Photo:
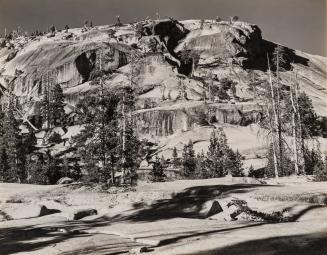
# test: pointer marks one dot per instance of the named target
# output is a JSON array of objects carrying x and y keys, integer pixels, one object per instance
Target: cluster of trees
[
  {"x": 107, "y": 144},
  {"x": 219, "y": 160},
  {"x": 52, "y": 108},
  {"x": 288, "y": 112},
  {"x": 12, "y": 146},
  {"x": 20, "y": 159}
]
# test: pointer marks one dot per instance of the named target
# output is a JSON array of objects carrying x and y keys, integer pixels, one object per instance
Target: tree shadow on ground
[
  {"x": 187, "y": 203},
  {"x": 313, "y": 244},
  {"x": 30, "y": 238},
  {"x": 36, "y": 237}
]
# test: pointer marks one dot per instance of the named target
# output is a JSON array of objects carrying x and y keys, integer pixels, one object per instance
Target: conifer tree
[
  {"x": 221, "y": 159},
  {"x": 37, "y": 171},
  {"x": 188, "y": 160},
  {"x": 45, "y": 108},
  {"x": 11, "y": 141},
  {"x": 309, "y": 119},
  {"x": 3, "y": 154},
  {"x": 251, "y": 172},
  {"x": 201, "y": 166},
  {"x": 76, "y": 172},
  {"x": 215, "y": 154},
  {"x": 98, "y": 141},
  {"x": 157, "y": 173},
  {"x": 234, "y": 163},
  {"x": 320, "y": 170},
  {"x": 57, "y": 107},
  {"x": 175, "y": 158}
]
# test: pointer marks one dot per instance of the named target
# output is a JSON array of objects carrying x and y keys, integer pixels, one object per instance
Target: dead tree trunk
[
  {"x": 279, "y": 126},
  {"x": 275, "y": 118},
  {"x": 273, "y": 142},
  {"x": 294, "y": 134}
]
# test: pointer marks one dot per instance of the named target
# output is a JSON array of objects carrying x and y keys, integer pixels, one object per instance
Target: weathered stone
[
  {"x": 210, "y": 208},
  {"x": 139, "y": 250},
  {"x": 65, "y": 180},
  {"x": 82, "y": 213}
]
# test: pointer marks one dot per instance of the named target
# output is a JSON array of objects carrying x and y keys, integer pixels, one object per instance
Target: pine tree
[
  {"x": 76, "y": 172},
  {"x": 53, "y": 168},
  {"x": 132, "y": 151},
  {"x": 234, "y": 163},
  {"x": 201, "y": 166},
  {"x": 163, "y": 161},
  {"x": 157, "y": 173},
  {"x": 175, "y": 158},
  {"x": 309, "y": 119},
  {"x": 131, "y": 146},
  {"x": 188, "y": 161},
  {"x": 251, "y": 172},
  {"x": 37, "y": 171},
  {"x": 3, "y": 154},
  {"x": 12, "y": 140},
  {"x": 215, "y": 154},
  {"x": 311, "y": 159},
  {"x": 320, "y": 171},
  {"x": 57, "y": 107},
  {"x": 270, "y": 167},
  {"x": 45, "y": 108},
  {"x": 99, "y": 142}
]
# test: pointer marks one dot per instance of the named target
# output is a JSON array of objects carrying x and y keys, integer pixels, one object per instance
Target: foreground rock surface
[{"x": 14, "y": 211}]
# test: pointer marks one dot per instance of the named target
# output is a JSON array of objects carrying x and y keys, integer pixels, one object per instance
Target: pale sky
[{"x": 298, "y": 24}]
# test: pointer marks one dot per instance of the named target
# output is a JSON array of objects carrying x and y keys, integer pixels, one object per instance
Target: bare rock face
[
  {"x": 172, "y": 93},
  {"x": 165, "y": 121}
]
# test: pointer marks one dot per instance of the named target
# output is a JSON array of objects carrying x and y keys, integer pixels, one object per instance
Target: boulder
[
  {"x": 46, "y": 211},
  {"x": 139, "y": 250},
  {"x": 210, "y": 208},
  {"x": 82, "y": 213},
  {"x": 65, "y": 180}
]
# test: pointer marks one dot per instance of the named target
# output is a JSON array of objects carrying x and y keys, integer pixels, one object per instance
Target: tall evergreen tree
[
  {"x": 215, "y": 155},
  {"x": 12, "y": 142},
  {"x": 99, "y": 141},
  {"x": 188, "y": 160},
  {"x": 45, "y": 108},
  {"x": 3, "y": 154},
  {"x": 201, "y": 166},
  {"x": 234, "y": 163},
  {"x": 175, "y": 158},
  {"x": 320, "y": 170},
  {"x": 57, "y": 106},
  {"x": 157, "y": 173},
  {"x": 310, "y": 123}
]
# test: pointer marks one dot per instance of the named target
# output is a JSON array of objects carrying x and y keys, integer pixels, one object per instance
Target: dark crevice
[
  {"x": 85, "y": 63},
  {"x": 259, "y": 61}
]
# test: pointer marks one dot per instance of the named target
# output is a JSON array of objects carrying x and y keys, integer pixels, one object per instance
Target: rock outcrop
[{"x": 172, "y": 92}]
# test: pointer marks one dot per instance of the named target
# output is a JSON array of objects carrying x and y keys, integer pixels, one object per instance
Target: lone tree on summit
[{"x": 234, "y": 19}]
